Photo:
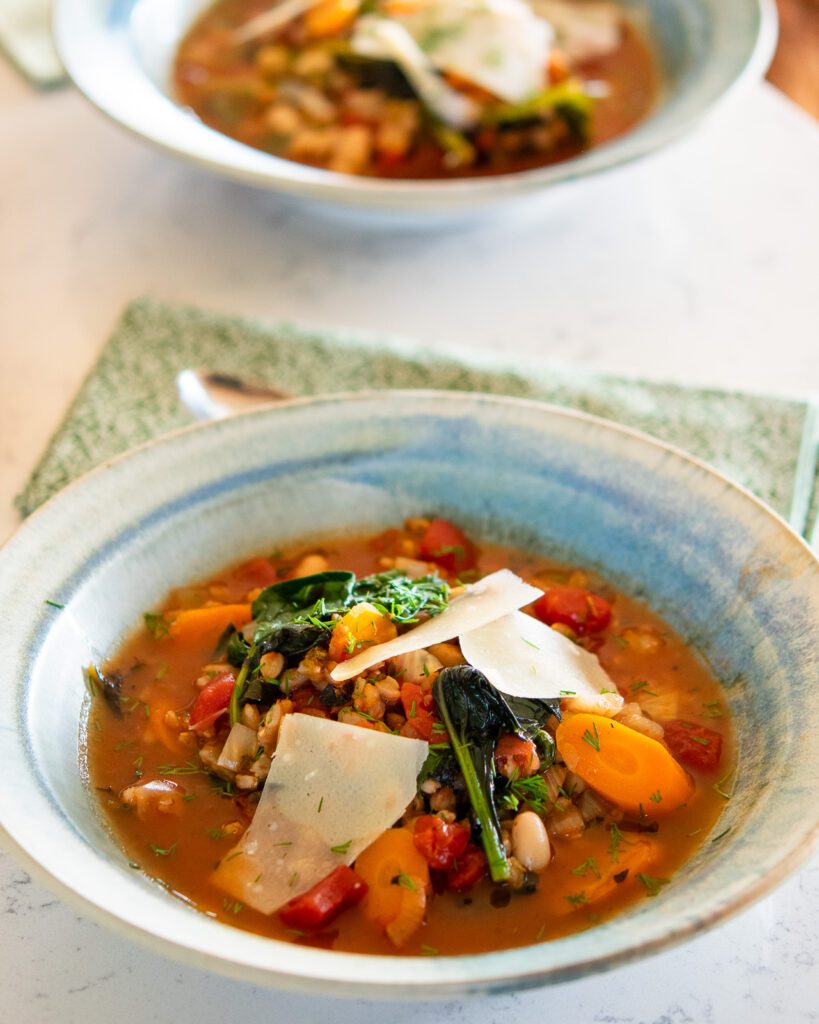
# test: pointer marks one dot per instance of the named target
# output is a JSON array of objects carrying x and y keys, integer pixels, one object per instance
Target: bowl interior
[
  {"x": 723, "y": 570},
  {"x": 120, "y": 52}
]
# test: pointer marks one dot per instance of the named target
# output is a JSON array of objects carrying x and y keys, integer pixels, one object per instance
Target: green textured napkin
[
  {"x": 25, "y": 35},
  {"x": 767, "y": 443}
]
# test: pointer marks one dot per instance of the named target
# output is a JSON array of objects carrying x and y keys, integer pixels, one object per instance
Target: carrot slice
[
  {"x": 633, "y": 771},
  {"x": 398, "y": 878},
  {"x": 169, "y": 738},
  {"x": 633, "y": 857},
  {"x": 328, "y": 17},
  {"x": 204, "y": 626}
]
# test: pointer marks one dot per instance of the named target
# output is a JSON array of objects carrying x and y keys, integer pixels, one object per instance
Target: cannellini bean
[
  {"x": 448, "y": 654},
  {"x": 530, "y": 841},
  {"x": 268, "y": 733},
  {"x": 419, "y": 667},
  {"x": 271, "y": 665},
  {"x": 311, "y": 564},
  {"x": 154, "y": 797},
  {"x": 442, "y": 800}
]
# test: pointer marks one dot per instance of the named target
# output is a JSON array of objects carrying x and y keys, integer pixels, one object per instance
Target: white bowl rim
[
  {"x": 263, "y": 170},
  {"x": 425, "y": 983}
]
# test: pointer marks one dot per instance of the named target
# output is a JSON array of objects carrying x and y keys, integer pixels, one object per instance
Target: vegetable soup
[
  {"x": 408, "y": 744},
  {"x": 418, "y": 88}
]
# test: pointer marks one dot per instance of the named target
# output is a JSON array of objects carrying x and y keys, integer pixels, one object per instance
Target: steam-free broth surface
[
  {"x": 311, "y": 90},
  {"x": 613, "y": 862}
]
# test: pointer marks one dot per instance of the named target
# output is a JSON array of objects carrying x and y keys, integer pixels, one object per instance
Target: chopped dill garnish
[
  {"x": 589, "y": 864},
  {"x": 54, "y": 604},
  {"x": 157, "y": 625},
  {"x": 342, "y": 847},
  {"x": 717, "y": 786},
  {"x": 656, "y": 797},
  {"x": 577, "y": 899},
  {"x": 216, "y": 833},
  {"x": 188, "y": 768},
  {"x": 722, "y": 835},
  {"x": 407, "y": 882},
  {"x": 615, "y": 842},
  {"x": 713, "y": 709},
  {"x": 429, "y": 950},
  {"x": 532, "y": 792},
  {"x": 593, "y": 741},
  {"x": 159, "y": 852},
  {"x": 652, "y": 885}
]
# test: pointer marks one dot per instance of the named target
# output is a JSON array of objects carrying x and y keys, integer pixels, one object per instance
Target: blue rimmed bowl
[{"x": 722, "y": 568}]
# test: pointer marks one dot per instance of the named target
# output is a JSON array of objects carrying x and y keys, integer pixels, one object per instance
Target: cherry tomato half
[
  {"x": 212, "y": 701},
  {"x": 468, "y": 870},
  {"x": 441, "y": 843},
  {"x": 419, "y": 707},
  {"x": 580, "y": 609},
  {"x": 447, "y": 546}
]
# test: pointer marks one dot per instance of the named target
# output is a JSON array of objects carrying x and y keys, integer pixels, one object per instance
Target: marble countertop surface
[{"x": 700, "y": 264}]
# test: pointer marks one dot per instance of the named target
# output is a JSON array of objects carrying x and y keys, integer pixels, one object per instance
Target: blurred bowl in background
[{"x": 120, "y": 54}]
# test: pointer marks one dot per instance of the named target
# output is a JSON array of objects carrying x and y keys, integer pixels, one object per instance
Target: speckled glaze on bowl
[
  {"x": 119, "y": 53},
  {"x": 723, "y": 569}
]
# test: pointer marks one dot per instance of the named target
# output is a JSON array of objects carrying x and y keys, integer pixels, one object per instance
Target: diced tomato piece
[
  {"x": 694, "y": 745},
  {"x": 468, "y": 870},
  {"x": 212, "y": 701},
  {"x": 441, "y": 843},
  {"x": 516, "y": 757},
  {"x": 323, "y": 903},
  {"x": 580, "y": 609},
  {"x": 447, "y": 546},
  {"x": 306, "y": 698},
  {"x": 258, "y": 572},
  {"x": 419, "y": 707}
]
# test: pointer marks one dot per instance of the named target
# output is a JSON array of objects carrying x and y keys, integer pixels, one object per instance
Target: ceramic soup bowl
[
  {"x": 719, "y": 566},
  {"x": 120, "y": 54}
]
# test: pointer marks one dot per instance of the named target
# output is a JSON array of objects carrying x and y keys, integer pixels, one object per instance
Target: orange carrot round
[
  {"x": 633, "y": 771},
  {"x": 398, "y": 878}
]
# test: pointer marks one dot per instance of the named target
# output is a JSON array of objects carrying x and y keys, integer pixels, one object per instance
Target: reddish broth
[{"x": 644, "y": 656}]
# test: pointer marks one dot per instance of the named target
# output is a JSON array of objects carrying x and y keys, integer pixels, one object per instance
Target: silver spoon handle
[{"x": 209, "y": 395}]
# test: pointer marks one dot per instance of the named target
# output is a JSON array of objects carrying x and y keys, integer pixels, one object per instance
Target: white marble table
[{"x": 702, "y": 264}]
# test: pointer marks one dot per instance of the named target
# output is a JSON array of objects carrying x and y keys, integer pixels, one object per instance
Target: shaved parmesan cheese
[
  {"x": 495, "y": 595},
  {"x": 586, "y": 31},
  {"x": 523, "y": 657},
  {"x": 387, "y": 39},
  {"x": 500, "y": 45},
  {"x": 332, "y": 790}
]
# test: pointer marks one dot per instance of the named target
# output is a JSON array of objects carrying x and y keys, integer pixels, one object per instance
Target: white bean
[{"x": 530, "y": 841}]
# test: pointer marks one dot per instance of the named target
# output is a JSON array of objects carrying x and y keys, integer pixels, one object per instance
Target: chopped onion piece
[
  {"x": 523, "y": 657},
  {"x": 332, "y": 790},
  {"x": 482, "y": 602},
  {"x": 241, "y": 743}
]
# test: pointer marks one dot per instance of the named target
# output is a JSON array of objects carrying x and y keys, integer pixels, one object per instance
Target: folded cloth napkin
[
  {"x": 769, "y": 444},
  {"x": 25, "y": 35}
]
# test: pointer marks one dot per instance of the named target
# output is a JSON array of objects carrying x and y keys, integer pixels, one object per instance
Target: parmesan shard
[
  {"x": 331, "y": 791},
  {"x": 495, "y": 595},
  {"x": 523, "y": 657}
]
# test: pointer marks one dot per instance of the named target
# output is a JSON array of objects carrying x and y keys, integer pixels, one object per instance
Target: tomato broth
[{"x": 611, "y": 862}]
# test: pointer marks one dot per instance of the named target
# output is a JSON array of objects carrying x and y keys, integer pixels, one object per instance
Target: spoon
[{"x": 210, "y": 395}]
